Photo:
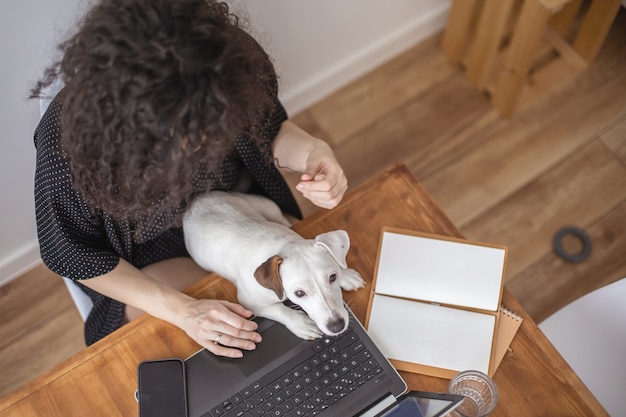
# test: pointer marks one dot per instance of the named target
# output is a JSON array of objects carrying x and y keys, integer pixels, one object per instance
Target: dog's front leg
[{"x": 297, "y": 321}]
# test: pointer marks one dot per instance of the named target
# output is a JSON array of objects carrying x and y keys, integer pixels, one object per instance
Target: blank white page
[
  {"x": 431, "y": 335},
  {"x": 442, "y": 271}
]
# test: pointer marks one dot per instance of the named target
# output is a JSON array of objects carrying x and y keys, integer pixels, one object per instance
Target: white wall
[
  {"x": 29, "y": 32},
  {"x": 318, "y": 46}
]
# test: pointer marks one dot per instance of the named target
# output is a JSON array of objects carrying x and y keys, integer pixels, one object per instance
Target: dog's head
[{"x": 311, "y": 274}]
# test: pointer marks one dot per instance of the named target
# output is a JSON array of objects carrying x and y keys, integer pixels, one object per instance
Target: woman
[{"x": 162, "y": 100}]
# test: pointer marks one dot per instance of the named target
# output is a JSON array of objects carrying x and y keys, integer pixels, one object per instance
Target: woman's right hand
[
  {"x": 208, "y": 321},
  {"x": 203, "y": 320}
]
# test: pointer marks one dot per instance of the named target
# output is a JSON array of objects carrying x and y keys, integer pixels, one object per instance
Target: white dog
[{"x": 246, "y": 239}]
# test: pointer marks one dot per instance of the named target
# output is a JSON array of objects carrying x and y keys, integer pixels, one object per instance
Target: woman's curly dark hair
[{"x": 155, "y": 91}]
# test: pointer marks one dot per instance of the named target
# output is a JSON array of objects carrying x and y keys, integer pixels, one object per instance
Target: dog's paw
[
  {"x": 351, "y": 280},
  {"x": 302, "y": 326}
]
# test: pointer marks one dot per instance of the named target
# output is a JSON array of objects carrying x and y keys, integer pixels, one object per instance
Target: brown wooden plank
[
  {"x": 576, "y": 191},
  {"x": 55, "y": 340},
  {"x": 495, "y": 163},
  {"x": 36, "y": 295},
  {"x": 615, "y": 139},
  {"x": 383, "y": 91},
  {"x": 550, "y": 283},
  {"x": 549, "y": 78},
  {"x": 448, "y": 107}
]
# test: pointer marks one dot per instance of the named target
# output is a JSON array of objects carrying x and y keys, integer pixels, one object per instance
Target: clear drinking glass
[{"x": 480, "y": 392}]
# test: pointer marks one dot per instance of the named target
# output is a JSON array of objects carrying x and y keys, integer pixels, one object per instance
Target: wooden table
[{"x": 533, "y": 379}]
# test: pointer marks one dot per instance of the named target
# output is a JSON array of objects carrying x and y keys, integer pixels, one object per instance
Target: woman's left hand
[{"x": 323, "y": 182}]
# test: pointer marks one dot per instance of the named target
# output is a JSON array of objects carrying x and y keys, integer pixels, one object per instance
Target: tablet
[{"x": 422, "y": 404}]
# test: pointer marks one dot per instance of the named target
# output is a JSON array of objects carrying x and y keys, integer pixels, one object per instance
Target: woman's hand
[
  {"x": 221, "y": 327},
  {"x": 152, "y": 291},
  {"x": 323, "y": 182}
]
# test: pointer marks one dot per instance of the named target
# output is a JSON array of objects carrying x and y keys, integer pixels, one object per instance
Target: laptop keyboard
[{"x": 309, "y": 383}]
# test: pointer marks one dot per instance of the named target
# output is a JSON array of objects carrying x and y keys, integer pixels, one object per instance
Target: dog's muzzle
[{"x": 336, "y": 325}]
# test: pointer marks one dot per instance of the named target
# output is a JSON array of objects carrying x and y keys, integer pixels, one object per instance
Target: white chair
[
  {"x": 81, "y": 300},
  {"x": 590, "y": 333}
]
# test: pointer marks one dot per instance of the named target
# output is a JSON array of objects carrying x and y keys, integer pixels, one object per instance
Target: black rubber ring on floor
[{"x": 581, "y": 235}]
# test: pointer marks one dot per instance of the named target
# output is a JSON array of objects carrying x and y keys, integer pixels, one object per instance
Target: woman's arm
[
  {"x": 202, "y": 320},
  {"x": 322, "y": 181}
]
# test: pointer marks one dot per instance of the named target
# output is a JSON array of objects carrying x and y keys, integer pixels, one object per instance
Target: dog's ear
[
  {"x": 268, "y": 276},
  {"x": 337, "y": 243}
]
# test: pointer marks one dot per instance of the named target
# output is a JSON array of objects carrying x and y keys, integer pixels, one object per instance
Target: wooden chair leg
[
  {"x": 562, "y": 21},
  {"x": 457, "y": 29},
  {"x": 529, "y": 30},
  {"x": 595, "y": 27},
  {"x": 491, "y": 27},
  {"x": 483, "y": 24}
]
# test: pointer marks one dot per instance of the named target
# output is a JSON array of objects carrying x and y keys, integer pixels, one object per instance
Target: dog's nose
[{"x": 336, "y": 325}]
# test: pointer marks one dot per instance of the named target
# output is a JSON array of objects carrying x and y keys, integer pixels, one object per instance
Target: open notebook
[{"x": 435, "y": 308}]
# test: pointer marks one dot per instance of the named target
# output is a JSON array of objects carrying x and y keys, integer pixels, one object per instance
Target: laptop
[{"x": 286, "y": 376}]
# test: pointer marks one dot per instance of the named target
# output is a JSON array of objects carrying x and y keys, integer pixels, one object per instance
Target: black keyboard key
[
  {"x": 256, "y": 399},
  {"x": 347, "y": 340},
  {"x": 287, "y": 367},
  {"x": 235, "y": 412},
  {"x": 247, "y": 392},
  {"x": 236, "y": 399},
  {"x": 257, "y": 412},
  {"x": 276, "y": 386},
  {"x": 311, "y": 382},
  {"x": 256, "y": 386},
  {"x": 306, "y": 368},
  {"x": 217, "y": 412}
]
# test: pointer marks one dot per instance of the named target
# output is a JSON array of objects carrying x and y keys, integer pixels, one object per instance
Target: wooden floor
[{"x": 561, "y": 161}]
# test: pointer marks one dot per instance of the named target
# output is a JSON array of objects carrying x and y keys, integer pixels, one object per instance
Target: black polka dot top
[{"x": 77, "y": 244}]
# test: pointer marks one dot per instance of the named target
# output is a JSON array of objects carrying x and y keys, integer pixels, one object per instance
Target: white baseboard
[
  {"x": 365, "y": 60},
  {"x": 19, "y": 262}
]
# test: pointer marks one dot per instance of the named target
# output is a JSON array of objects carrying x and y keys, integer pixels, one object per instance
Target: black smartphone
[{"x": 162, "y": 390}]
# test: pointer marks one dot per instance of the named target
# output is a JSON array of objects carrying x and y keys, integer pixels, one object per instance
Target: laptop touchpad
[{"x": 277, "y": 339}]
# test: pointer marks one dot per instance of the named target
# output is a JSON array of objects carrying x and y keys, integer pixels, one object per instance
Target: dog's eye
[
  {"x": 332, "y": 277},
  {"x": 300, "y": 293}
]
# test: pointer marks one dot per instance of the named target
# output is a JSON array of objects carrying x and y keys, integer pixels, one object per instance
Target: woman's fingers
[
  {"x": 323, "y": 191},
  {"x": 223, "y": 328}
]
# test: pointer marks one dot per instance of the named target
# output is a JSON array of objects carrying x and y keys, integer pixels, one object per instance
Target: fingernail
[{"x": 300, "y": 187}]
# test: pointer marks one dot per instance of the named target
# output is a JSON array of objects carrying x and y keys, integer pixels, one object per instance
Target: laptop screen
[{"x": 423, "y": 404}]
